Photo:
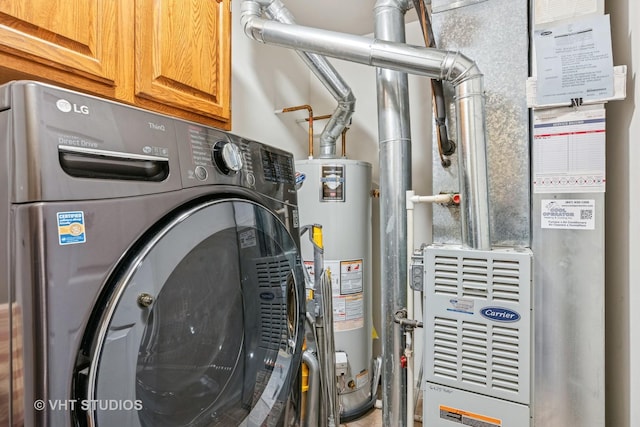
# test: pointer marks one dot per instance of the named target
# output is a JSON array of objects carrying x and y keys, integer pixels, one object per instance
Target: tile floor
[{"x": 372, "y": 419}]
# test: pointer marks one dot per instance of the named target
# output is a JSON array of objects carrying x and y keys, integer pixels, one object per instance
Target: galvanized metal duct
[
  {"x": 453, "y": 67},
  {"x": 394, "y": 136},
  {"x": 328, "y": 76}
]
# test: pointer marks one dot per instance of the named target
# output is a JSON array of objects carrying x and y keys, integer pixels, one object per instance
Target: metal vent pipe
[
  {"x": 394, "y": 138},
  {"x": 460, "y": 71},
  {"x": 328, "y": 76}
]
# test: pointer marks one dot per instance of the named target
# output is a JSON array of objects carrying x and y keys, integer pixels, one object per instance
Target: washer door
[{"x": 202, "y": 327}]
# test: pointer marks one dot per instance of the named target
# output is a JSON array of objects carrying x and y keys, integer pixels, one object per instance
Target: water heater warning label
[
  {"x": 350, "y": 277},
  {"x": 468, "y": 418}
]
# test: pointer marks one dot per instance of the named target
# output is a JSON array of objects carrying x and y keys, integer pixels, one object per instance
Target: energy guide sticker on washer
[
  {"x": 71, "y": 228},
  {"x": 332, "y": 179}
]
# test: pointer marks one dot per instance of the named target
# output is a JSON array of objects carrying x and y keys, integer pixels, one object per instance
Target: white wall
[
  {"x": 623, "y": 226},
  {"x": 264, "y": 79}
]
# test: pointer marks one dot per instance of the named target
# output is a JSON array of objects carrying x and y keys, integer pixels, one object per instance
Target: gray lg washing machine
[{"x": 150, "y": 269}]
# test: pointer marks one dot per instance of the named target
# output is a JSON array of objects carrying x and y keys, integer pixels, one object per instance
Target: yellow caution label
[{"x": 467, "y": 418}]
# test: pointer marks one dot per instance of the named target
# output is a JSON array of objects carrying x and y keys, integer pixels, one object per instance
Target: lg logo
[{"x": 67, "y": 107}]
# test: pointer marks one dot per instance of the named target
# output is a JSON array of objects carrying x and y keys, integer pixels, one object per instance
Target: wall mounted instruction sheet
[
  {"x": 569, "y": 150},
  {"x": 574, "y": 61},
  {"x": 569, "y": 214},
  {"x": 554, "y": 10}
]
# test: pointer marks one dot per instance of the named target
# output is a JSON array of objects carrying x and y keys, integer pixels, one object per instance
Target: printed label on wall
[
  {"x": 569, "y": 151},
  {"x": 332, "y": 180},
  {"x": 552, "y": 10},
  {"x": 71, "y": 228},
  {"x": 568, "y": 214}
]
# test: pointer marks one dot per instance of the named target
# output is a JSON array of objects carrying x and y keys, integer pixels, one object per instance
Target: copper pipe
[
  {"x": 344, "y": 132},
  {"x": 344, "y": 141},
  {"x": 309, "y": 119},
  {"x": 326, "y": 116}
]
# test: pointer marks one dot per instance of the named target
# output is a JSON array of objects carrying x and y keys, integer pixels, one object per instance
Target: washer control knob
[{"x": 227, "y": 156}]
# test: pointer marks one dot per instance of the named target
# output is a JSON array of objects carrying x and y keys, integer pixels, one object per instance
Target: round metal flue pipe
[
  {"x": 394, "y": 137},
  {"x": 328, "y": 76},
  {"x": 434, "y": 63}
]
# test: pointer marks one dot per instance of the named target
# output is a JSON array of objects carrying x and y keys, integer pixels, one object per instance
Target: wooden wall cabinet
[{"x": 170, "y": 56}]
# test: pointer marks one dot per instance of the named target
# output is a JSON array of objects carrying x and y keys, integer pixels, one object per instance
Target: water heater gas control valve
[{"x": 227, "y": 156}]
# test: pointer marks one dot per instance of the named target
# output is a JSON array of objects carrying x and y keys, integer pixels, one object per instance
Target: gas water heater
[{"x": 336, "y": 194}]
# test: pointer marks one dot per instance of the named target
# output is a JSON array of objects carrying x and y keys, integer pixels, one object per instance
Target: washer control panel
[{"x": 227, "y": 157}]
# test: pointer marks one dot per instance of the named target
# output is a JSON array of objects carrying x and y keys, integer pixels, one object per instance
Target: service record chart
[{"x": 569, "y": 150}]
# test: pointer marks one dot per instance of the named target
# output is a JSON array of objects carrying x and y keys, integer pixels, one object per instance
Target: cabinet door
[
  {"x": 183, "y": 55},
  {"x": 76, "y": 42}
]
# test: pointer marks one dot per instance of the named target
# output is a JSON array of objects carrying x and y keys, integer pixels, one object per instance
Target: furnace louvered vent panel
[
  {"x": 478, "y": 320},
  {"x": 272, "y": 279},
  {"x": 478, "y": 278}
]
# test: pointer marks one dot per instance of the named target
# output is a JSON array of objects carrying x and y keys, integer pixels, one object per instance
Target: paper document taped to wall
[
  {"x": 554, "y": 10},
  {"x": 569, "y": 150},
  {"x": 574, "y": 61}
]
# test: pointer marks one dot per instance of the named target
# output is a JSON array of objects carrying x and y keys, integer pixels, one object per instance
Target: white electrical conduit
[{"x": 412, "y": 199}]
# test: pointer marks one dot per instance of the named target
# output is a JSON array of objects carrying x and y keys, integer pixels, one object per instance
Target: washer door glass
[{"x": 202, "y": 327}]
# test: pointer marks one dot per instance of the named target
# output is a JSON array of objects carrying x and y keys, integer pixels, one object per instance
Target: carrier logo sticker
[
  {"x": 500, "y": 314},
  {"x": 71, "y": 228}
]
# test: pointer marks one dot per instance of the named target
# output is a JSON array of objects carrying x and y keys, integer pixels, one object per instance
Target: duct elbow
[
  {"x": 250, "y": 20},
  {"x": 457, "y": 68},
  {"x": 340, "y": 119},
  {"x": 402, "y": 5},
  {"x": 348, "y": 102}
]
